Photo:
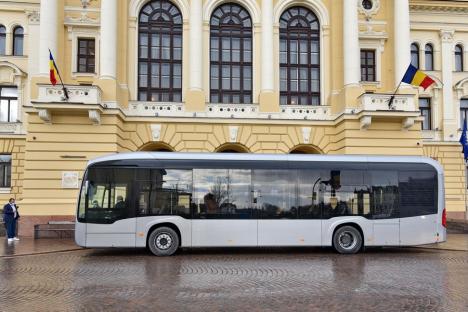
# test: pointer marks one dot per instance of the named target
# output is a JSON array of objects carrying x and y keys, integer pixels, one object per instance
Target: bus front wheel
[
  {"x": 347, "y": 240},
  {"x": 163, "y": 241}
]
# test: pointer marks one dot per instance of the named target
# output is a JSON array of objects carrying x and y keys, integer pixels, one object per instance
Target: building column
[
  {"x": 352, "y": 64},
  {"x": 401, "y": 35},
  {"x": 48, "y": 29},
  {"x": 268, "y": 99},
  {"x": 108, "y": 38},
  {"x": 449, "y": 122},
  {"x": 267, "y": 46},
  {"x": 195, "y": 98},
  {"x": 196, "y": 45}
]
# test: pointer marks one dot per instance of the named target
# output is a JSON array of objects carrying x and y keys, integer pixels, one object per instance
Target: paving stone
[{"x": 269, "y": 279}]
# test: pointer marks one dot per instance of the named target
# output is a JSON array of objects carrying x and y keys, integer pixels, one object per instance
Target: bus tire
[
  {"x": 347, "y": 240},
  {"x": 163, "y": 241}
]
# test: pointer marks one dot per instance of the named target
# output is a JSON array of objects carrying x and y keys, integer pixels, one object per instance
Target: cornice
[{"x": 439, "y": 8}]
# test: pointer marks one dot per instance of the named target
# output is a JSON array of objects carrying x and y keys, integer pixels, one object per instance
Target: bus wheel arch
[
  {"x": 347, "y": 229},
  {"x": 164, "y": 225}
]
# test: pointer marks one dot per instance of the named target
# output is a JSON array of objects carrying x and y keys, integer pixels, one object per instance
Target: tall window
[
  {"x": 458, "y": 58},
  {"x": 18, "y": 38},
  {"x": 231, "y": 55},
  {"x": 2, "y": 39},
  {"x": 429, "y": 57},
  {"x": 367, "y": 65},
  {"x": 5, "y": 170},
  {"x": 299, "y": 57},
  {"x": 8, "y": 104},
  {"x": 463, "y": 111},
  {"x": 425, "y": 109},
  {"x": 415, "y": 55},
  {"x": 86, "y": 55},
  {"x": 160, "y": 52}
]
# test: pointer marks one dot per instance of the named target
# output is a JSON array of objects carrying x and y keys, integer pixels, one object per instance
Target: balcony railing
[
  {"x": 235, "y": 111},
  {"x": 378, "y": 106},
  {"x": 78, "y": 94}
]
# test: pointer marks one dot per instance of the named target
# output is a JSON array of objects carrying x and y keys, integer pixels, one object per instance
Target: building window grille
[
  {"x": 86, "y": 55},
  {"x": 299, "y": 57},
  {"x": 18, "y": 39},
  {"x": 425, "y": 109},
  {"x": 429, "y": 57},
  {"x": 230, "y": 55},
  {"x": 368, "y": 65},
  {"x": 463, "y": 111},
  {"x": 160, "y": 52},
  {"x": 415, "y": 55},
  {"x": 458, "y": 58},
  {"x": 8, "y": 104},
  {"x": 2, "y": 39},
  {"x": 5, "y": 170}
]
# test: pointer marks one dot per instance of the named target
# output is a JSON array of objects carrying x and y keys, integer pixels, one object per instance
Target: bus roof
[{"x": 265, "y": 157}]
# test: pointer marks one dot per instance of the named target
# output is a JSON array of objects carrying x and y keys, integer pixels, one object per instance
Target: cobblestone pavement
[{"x": 236, "y": 280}]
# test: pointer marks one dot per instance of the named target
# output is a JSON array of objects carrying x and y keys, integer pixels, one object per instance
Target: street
[{"x": 306, "y": 279}]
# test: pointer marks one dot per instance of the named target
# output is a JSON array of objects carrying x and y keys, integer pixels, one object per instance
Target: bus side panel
[
  {"x": 80, "y": 234},
  {"x": 329, "y": 226},
  {"x": 144, "y": 224},
  {"x": 121, "y": 233},
  {"x": 223, "y": 233},
  {"x": 418, "y": 230},
  {"x": 289, "y": 232}
]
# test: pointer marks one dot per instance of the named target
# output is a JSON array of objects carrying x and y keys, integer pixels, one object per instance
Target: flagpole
[
  {"x": 65, "y": 92},
  {"x": 393, "y": 95}
]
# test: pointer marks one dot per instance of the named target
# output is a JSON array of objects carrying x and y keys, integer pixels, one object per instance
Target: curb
[{"x": 41, "y": 253}]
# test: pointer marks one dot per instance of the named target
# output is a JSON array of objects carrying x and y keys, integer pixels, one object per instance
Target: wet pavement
[{"x": 267, "y": 279}]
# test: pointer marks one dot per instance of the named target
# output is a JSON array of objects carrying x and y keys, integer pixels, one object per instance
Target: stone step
[{"x": 55, "y": 229}]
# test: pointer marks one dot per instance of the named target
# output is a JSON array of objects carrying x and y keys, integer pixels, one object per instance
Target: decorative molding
[
  {"x": 34, "y": 17},
  {"x": 407, "y": 122},
  {"x": 365, "y": 122},
  {"x": 306, "y": 134},
  {"x": 233, "y": 130},
  {"x": 369, "y": 13},
  {"x": 446, "y": 35},
  {"x": 434, "y": 8},
  {"x": 44, "y": 114},
  {"x": 94, "y": 116},
  {"x": 156, "y": 131}
]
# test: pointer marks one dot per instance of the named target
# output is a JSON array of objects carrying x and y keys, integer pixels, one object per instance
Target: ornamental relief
[{"x": 369, "y": 8}]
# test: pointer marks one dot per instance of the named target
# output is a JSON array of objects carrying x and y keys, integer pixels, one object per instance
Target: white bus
[{"x": 164, "y": 201}]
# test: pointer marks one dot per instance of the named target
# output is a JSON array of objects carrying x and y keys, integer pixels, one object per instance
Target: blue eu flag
[{"x": 463, "y": 141}]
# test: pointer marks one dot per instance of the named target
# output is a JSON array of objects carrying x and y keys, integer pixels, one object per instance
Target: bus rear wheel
[
  {"x": 163, "y": 241},
  {"x": 347, "y": 240}
]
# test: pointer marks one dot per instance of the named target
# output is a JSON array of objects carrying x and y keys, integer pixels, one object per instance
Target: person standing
[{"x": 10, "y": 216}]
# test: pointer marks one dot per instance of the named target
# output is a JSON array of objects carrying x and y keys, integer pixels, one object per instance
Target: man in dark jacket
[{"x": 10, "y": 216}]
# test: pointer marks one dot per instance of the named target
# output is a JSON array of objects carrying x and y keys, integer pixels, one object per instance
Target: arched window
[
  {"x": 160, "y": 52},
  {"x": 429, "y": 57},
  {"x": 18, "y": 38},
  {"x": 415, "y": 55},
  {"x": 458, "y": 58},
  {"x": 2, "y": 39},
  {"x": 299, "y": 57},
  {"x": 230, "y": 55}
]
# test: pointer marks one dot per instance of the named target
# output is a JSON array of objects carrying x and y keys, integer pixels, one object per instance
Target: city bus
[{"x": 165, "y": 201}]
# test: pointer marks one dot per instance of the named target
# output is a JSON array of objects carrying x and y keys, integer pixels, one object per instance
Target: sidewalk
[
  {"x": 31, "y": 246},
  {"x": 458, "y": 242}
]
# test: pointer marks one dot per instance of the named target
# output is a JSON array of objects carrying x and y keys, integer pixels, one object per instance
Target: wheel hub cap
[{"x": 163, "y": 241}]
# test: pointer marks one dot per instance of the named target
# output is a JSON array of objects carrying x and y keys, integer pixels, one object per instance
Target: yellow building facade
[{"x": 265, "y": 76}]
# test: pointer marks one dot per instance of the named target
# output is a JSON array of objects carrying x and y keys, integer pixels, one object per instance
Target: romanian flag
[
  {"x": 52, "y": 70},
  {"x": 417, "y": 78}
]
